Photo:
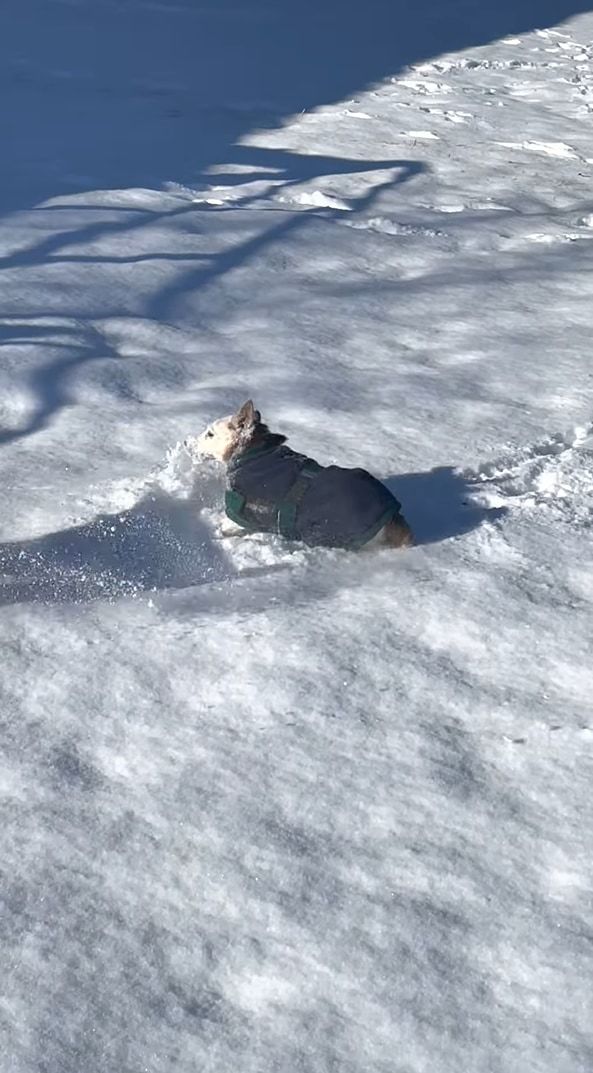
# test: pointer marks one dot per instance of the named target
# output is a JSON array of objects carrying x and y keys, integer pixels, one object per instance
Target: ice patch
[
  {"x": 450, "y": 208},
  {"x": 385, "y": 226},
  {"x": 422, "y": 135},
  {"x": 422, "y": 86},
  {"x": 550, "y": 33},
  {"x": 548, "y": 239},
  {"x": 316, "y": 199},
  {"x": 554, "y": 149}
]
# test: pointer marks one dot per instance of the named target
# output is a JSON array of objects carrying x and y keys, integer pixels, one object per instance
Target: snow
[{"x": 264, "y": 807}]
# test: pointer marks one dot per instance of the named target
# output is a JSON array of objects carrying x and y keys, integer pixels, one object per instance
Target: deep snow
[{"x": 266, "y": 808}]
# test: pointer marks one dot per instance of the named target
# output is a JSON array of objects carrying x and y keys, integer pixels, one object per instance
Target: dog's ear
[{"x": 246, "y": 416}]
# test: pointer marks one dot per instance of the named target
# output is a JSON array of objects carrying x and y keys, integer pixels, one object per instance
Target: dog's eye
[{"x": 209, "y": 433}]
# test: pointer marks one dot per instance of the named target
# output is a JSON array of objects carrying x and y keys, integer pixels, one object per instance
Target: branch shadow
[
  {"x": 291, "y": 221},
  {"x": 290, "y": 169},
  {"x": 438, "y": 504},
  {"x": 100, "y": 96},
  {"x": 49, "y": 383},
  {"x": 187, "y": 83}
]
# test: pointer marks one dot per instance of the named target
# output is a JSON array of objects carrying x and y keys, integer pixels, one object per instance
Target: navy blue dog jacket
[{"x": 272, "y": 489}]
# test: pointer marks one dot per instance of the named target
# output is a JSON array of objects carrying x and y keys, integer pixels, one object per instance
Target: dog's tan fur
[
  {"x": 223, "y": 438},
  {"x": 397, "y": 534}
]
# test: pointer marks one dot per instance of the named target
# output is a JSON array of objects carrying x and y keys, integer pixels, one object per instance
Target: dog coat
[{"x": 273, "y": 489}]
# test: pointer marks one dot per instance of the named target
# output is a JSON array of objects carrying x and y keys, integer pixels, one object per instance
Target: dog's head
[{"x": 229, "y": 434}]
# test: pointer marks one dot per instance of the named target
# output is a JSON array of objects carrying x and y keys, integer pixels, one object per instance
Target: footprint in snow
[{"x": 555, "y": 474}]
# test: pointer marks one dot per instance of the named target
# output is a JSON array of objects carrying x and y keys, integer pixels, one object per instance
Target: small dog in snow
[{"x": 272, "y": 489}]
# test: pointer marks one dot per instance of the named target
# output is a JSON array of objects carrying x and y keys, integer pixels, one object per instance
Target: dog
[{"x": 272, "y": 489}]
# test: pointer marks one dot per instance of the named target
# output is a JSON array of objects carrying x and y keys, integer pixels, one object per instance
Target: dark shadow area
[
  {"x": 113, "y": 94},
  {"x": 122, "y": 93},
  {"x": 160, "y": 544},
  {"x": 438, "y": 504},
  {"x": 300, "y": 168}
]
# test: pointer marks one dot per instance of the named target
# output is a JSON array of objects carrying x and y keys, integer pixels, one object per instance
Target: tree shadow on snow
[
  {"x": 49, "y": 384},
  {"x": 171, "y": 96},
  {"x": 438, "y": 504},
  {"x": 101, "y": 96},
  {"x": 84, "y": 342},
  {"x": 97, "y": 98},
  {"x": 196, "y": 276}
]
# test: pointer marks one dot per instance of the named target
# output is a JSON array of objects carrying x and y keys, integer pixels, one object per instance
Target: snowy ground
[{"x": 263, "y": 808}]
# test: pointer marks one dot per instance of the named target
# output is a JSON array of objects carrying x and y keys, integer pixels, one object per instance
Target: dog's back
[
  {"x": 272, "y": 488},
  {"x": 345, "y": 508}
]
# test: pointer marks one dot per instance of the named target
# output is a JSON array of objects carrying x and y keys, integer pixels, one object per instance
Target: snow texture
[{"x": 263, "y": 807}]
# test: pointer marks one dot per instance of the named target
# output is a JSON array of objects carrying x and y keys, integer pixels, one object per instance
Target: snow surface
[{"x": 266, "y": 808}]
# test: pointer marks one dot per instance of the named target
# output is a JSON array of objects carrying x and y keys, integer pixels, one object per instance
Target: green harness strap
[
  {"x": 286, "y": 514},
  {"x": 234, "y": 505},
  {"x": 287, "y": 511}
]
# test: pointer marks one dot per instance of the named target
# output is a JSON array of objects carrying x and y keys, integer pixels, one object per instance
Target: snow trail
[{"x": 267, "y": 807}]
